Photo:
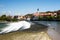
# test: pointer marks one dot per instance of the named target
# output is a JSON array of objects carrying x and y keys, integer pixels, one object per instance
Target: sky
[{"x": 22, "y": 7}]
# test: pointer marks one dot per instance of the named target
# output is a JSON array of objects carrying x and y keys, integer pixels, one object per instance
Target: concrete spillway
[{"x": 14, "y": 26}]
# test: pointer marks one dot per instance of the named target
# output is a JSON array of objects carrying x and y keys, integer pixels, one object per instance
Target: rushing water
[
  {"x": 53, "y": 28},
  {"x": 14, "y": 26}
]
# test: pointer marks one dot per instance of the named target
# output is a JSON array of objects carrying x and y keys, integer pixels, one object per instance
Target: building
[{"x": 44, "y": 14}]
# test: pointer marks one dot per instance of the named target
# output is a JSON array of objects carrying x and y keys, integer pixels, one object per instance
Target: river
[{"x": 53, "y": 28}]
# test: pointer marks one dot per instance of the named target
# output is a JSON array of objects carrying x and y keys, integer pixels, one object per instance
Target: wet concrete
[{"x": 36, "y": 32}]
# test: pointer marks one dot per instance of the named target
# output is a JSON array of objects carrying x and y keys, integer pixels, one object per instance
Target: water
[
  {"x": 51, "y": 25},
  {"x": 2, "y": 25},
  {"x": 14, "y": 26},
  {"x": 53, "y": 28}
]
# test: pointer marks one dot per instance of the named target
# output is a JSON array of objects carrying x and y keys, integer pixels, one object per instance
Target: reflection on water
[
  {"x": 2, "y": 25},
  {"x": 54, "y": 26},
  {"x": 51, "y": 25},
  {"x": 53, "y": 29}
]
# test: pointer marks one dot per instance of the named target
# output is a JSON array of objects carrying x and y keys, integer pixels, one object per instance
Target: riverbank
[
  {"x": 53, "y": 28},
  {"x": 36, "y": 32},
  {"x": 25, "y": 36}
]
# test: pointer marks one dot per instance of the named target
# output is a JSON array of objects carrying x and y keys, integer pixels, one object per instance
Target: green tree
[
  {"x": 3, "y": 18},
  {"x": 58, "y": 14},
  {"x": 8, "y": 18},
  {"x": 29, "y": 15}
]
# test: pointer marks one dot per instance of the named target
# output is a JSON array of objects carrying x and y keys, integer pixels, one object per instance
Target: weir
[{"x": 14, "y": 26}]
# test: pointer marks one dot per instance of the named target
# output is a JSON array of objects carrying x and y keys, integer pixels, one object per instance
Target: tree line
[
  {"x": 46, "y": 18},
  {"x": 39, "y": 18},
  {"x": 7, "y": 18}
]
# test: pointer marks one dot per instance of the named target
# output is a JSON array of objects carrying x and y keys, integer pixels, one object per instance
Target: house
[
  {"x": 21, "y": 17},
  {"x": 44, "y": 14}
]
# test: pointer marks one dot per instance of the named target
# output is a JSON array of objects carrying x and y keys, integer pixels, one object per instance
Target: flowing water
[
  {"x": 14, "y": 26},
  {"x": 53, "y": 28}
]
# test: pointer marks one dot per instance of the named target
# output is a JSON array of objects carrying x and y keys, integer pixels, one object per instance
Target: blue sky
[{"x": 22, "y": 7}]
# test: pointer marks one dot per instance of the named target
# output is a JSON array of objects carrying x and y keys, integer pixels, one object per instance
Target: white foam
[{"x": 16, "y": 26}]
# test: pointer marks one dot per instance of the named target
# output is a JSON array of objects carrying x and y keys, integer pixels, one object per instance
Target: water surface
[{"x": 53, "y": 28}]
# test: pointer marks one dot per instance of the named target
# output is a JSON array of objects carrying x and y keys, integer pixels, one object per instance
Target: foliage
[
  {"x": 3, "y": 18},
  {"x": 7, "y": 18},
  {"x": 14, "y": 19},
  {"x": 29, "y": 15}
]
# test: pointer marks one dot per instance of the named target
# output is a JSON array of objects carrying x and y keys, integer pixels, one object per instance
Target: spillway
[{"x": 14, "y": 26}]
